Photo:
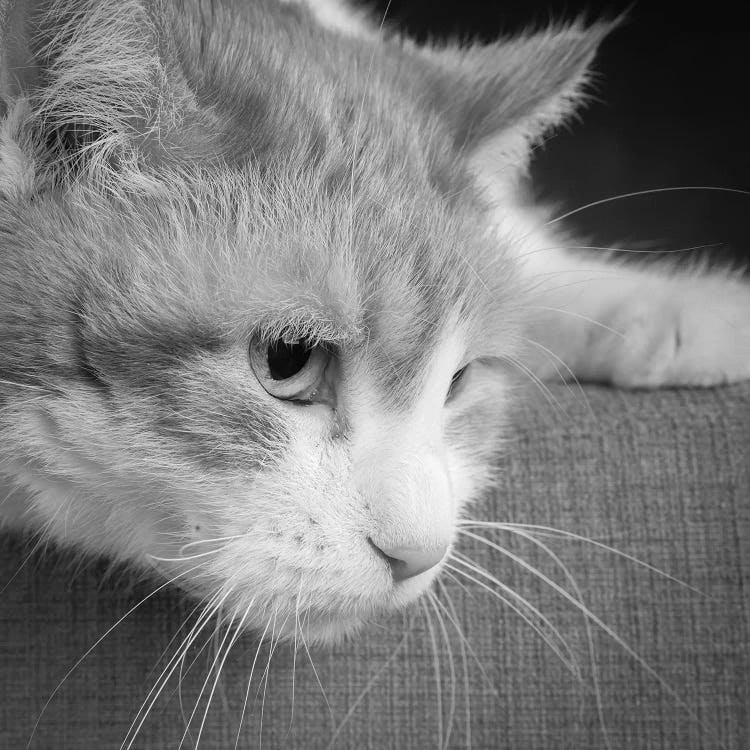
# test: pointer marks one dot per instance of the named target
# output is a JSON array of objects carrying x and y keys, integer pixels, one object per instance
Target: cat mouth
[
  {"x": 341, "y": 619},
  {"x": 324, "y": 604}
]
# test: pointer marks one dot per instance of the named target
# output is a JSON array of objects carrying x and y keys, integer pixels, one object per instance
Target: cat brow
[{"x": 319, "y": 325}]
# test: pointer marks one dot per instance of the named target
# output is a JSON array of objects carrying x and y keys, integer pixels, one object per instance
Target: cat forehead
[
  {"x": 271, "y": 86},
  {"x": 382, "y": 283}
]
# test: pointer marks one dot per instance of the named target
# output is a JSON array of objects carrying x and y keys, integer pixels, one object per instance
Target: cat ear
[
  {"x": 85, "y": 84},
  {"x": 502, "y": 98},
  {"x": 17, "y": 74}
]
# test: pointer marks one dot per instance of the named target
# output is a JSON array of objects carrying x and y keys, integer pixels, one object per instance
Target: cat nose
[{"x": 407, "y": 562}]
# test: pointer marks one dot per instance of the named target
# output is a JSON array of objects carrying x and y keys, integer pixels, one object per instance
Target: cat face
[
  {"x": 253, "y": 319},
  {"x": 265, "y": 427}
]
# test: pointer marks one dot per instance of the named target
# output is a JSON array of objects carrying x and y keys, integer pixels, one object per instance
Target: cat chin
[
  {"x": 329, "y": 630},
  {"x": 332, "y": 624}
]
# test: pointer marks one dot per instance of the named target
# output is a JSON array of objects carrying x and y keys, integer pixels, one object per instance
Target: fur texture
[{"x": 185, "y": 183}]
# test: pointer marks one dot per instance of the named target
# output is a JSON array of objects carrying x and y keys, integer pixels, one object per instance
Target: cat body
[{"x": 269, "y": 278}]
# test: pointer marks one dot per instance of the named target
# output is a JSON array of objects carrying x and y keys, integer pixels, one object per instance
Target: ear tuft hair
[{"x": 16, "y": 167}]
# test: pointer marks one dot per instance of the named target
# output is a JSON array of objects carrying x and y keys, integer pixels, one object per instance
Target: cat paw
[{"x": 701, "y": 338}]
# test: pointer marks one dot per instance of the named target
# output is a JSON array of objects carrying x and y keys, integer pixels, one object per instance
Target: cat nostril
[{"x": 407, "y": 562}]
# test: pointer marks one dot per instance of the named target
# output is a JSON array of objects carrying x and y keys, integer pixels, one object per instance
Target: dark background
[{"x": 672, "y": 110}]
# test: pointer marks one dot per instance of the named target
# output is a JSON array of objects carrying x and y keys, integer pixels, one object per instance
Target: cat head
[{"x": 254, "y": 323}]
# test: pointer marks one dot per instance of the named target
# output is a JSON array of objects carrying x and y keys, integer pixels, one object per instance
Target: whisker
[
  {"x": 40, "y": 542},
  {"x": 156, "y": 690},
  {"x": 638, "y": 193},
  {"x": 368, "y": 687},
  {"x": 464, "y": 660},
  {"x": 196, "y": 542},
  {"x": 203, "y": 689},
  {"x": 538, "y": 382},
  {"x": 237, "y": 634},
  {"x": 267, "y": 671},
  {"x": 249, "y": 683},
  {"x": 598, "y": 622},
  {"x": 182, "y": 656},
  {"x": 552, "y": 638},
  {"x": 315, "y": 672},
  {"x": 550, "y": 531},
  {"x": 30, "y": 386},
  {"x": 96, "y": 643},
  {"x": 455, "y": 621},
  {"x": 165, "y": 650},
  {"x": 186, "y": 559},
  {"x": 557, "y": 358},
  {"x": 436, "y": 666},
  {"x": 451, "y": 668},
  {"x": 628, "y": 250},
  {"x": 294, "y": 655},
  {"x": 587, "y": 625},
  {"x": 577, "y": 315}
]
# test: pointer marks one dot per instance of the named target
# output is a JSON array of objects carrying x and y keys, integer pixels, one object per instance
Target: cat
[{"x": 269, "y": 275}]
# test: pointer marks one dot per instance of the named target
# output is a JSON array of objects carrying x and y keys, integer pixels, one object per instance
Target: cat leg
[{"x": 636, "y": 326}]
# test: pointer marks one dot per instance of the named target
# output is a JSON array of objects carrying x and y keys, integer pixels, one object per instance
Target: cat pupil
[{"x": 286, "y": 360}]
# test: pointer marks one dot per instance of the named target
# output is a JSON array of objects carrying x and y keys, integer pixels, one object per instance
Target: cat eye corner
[
  {"x": 289, "y": 370},
  {"x": 455, "y": 383}
]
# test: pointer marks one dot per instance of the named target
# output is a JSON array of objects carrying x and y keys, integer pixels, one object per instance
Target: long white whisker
[
  {"x": 450, "y": 612},
  {"x": 198, "y": 542},
  {"x": 549, "y": 634},
  {"x": 267, "y": 671},
  {"x": 638, "y": 193},
  {"x": 600, "y": 623},
  {"x": 568, "y": 661},
  {"x": 156, "y": 690},
  {"x": 249, "y": 682},
  {"x": 188, "y": 558},
  {"x": 200, "y": 605},
  {"x": 569, "y": 370},
  {"x": 315, "y": 671},
  {"x": 210, "y": 670},
  {"x": 97, "y": 642},
  {"x": 586, "y": 623},
  {"x": 610, "y": 249},
  {"x": 236, "y": 635},
  {"x": 550, "y": 531},
  {"x": 465, "y": 641},
  {"x": 579, "y": 316},
  {"x": 294, "y": 654},
  {"x": 436, "y": 665},
  {"x": 368, "y": 687},
  {"x": 538, "y": 382},
  {"x": 431, "y": 598},
  {"x": 40, "y": 542}
]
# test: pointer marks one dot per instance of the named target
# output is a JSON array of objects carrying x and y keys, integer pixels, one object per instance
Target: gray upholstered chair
[{"x": 661, "y": 476}]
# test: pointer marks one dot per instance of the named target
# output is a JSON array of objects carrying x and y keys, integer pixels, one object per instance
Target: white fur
[
  {"x": 598, "y": 319},
  {"x": 338, "y": 15}
]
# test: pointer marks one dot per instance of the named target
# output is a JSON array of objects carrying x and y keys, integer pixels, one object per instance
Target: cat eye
[
  {"x": 289, "y": 370},
  {"x": 456, "y": 382}
]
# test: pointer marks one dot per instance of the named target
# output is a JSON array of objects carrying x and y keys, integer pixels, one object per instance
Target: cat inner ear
[{"x": 501, "y": 99}]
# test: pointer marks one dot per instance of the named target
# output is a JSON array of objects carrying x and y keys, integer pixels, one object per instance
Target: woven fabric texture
[{"x": 502, "y": 662}]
